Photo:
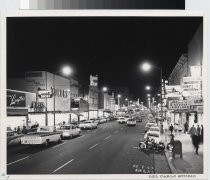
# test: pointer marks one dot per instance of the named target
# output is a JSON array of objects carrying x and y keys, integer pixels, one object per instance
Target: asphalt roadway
[{"x": 112, "y": 148}]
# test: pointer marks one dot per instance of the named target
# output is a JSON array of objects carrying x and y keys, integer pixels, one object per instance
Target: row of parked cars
[
  {"x": 152, "y": 131},
  {"x": 46, "y": 134}
]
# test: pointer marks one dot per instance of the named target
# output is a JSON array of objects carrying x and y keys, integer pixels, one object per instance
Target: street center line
[
  {"x": 63, "y": 165},
  {"x": 59, "y": 145},
  {"x": 108, "y": 137},
  {"x": 116, "y": 132},
  {"x": 93, "y": 146},
  {"x": 18, "y": 160}
]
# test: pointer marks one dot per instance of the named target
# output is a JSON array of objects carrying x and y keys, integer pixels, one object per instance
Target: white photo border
[{"x": 95, "y": 13}]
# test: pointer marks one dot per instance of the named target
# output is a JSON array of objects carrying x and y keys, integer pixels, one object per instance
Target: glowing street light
[
  {"x": 148, "y": 95},
  {"x": 147, "y": 87},
  {"x": 146, "y": 67},
  {"x": 105, "y": 89},
  {"x": 67, "y": 70}
]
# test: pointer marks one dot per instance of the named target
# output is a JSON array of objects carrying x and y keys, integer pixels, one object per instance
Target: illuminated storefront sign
[
  {"x": 173, "y": 91},
  {"x": 16, "y": 99},
  {"x": 191, "y": 86},
  {"x": 178, "y": 104}
]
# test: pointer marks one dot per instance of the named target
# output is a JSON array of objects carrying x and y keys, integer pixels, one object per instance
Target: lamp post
[
  {"x": 147, "y": 67},
  {"x": 118, "y": 100},
  {"x": 104, "y": 91},
  {"x": 66, "y": 70}
]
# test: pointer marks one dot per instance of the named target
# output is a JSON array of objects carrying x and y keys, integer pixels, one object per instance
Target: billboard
[
  {"x": 173, "y": 91},
  {"x": 16, "y": 99}
]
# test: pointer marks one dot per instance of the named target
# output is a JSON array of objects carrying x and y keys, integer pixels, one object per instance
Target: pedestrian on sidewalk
[
  {"x": 18, "y": 130},
  {"x": 171, "y": 128},
  {"x": 186, "y": 127},
  {"x": 201, "y": 139},
  {"x": 196, "y": 142},
  {"x": 198, "y": 130},
  {"x": 192, "y": 131}
]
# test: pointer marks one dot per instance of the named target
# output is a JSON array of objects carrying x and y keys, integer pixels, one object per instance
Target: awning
[
  {"x": 17, "y": 112},
  {"x": 107, "y": 111}
]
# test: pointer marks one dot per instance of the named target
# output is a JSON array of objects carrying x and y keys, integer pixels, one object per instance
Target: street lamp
[
  {"x": 146, "y": 67},
  {"x": 118, "y": 96},
  {"x": 105, "y": 89},
  {"x": 148, "y": 95},
  {"x": 147, "y": 88},
  {"x": 66, "y": 70}
]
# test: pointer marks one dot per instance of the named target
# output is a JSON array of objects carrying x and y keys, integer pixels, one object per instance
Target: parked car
[
  {"x": 44, "y": 135},
  {"x": 153, "y": 136},
  {"x": 12, "y": 137},
  {"x": 102, "y": 120},
  {"x": 69, "y": 131},
  {"x": 131, "y": 122},
  {"x": 90, "y": 124},
  {"x": 148, "y": 125}
]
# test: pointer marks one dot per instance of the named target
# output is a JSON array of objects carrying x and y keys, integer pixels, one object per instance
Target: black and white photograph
[{"x": 105, "y": 95}]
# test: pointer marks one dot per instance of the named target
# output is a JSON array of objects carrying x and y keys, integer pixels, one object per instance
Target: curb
[{"x": 171, "y": 166}]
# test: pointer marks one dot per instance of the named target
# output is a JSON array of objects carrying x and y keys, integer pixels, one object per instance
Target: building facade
[{"x": 186, "y": 100}]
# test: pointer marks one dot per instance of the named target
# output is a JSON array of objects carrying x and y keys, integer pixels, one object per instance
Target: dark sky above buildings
[{"x": 112, "y": 47}]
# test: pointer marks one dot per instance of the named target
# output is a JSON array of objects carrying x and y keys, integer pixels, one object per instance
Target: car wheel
[
  {"x": 59, "y": 140},
  {"x": 46, "y": 143}
]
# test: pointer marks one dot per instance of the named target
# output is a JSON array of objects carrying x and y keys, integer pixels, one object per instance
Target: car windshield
[
  {"x": 86, "y": 122},
  {"x": 65, "y": 127},
  {"x": 152, "y": 135},
  {"x": 154, "y": 129}
]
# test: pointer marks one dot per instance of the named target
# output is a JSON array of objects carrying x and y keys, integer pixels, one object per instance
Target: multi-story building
[
  {"x": 186, "y": 100},
  {"x": 52, "y": 91}
]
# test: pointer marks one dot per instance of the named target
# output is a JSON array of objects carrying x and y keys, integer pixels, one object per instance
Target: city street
[{"x": 112, "y": 148}]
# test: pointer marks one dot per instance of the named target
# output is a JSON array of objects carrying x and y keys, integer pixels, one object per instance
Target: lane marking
[
  {"x": 135, "y": 147},
  {"x": 93, "y": 146},
  {"x": 108, "y": 137},
  {"x": 63, "y": 165},
  {"x": 18, "y": 160},
  {"x": 116, "y": 132},
  {"x": 59, "y": 145}
]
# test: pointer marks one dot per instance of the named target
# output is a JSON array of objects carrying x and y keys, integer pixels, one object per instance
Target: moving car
[
  {"x": 138, "y": 119},
  {"x": 131, "y": 122},
  {"x": 90, "y": 124},
  {"x": 69, "y": 131},
  {"x": 154, "y": 129},
  {"x": 44, "y": 135},
  {"x": 121, "y": 120}
]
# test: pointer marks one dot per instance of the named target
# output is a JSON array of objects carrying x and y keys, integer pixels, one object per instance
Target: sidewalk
[{"x": 190, "y": 162}]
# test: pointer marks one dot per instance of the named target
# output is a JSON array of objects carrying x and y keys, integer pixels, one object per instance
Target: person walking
[
  {"x": 201, "y": 133},
  {"x": 186, "y": 127},
  {"x": 192, "y": 131},
  {"x": 18, "y": 130},
  {"x": 198, "y": 130},
  {"x": 171, "y": 128},
  {"x": 196, "y": 142}
]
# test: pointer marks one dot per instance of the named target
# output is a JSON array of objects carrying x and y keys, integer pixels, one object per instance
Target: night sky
[{"x": 112, "y": 47}]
